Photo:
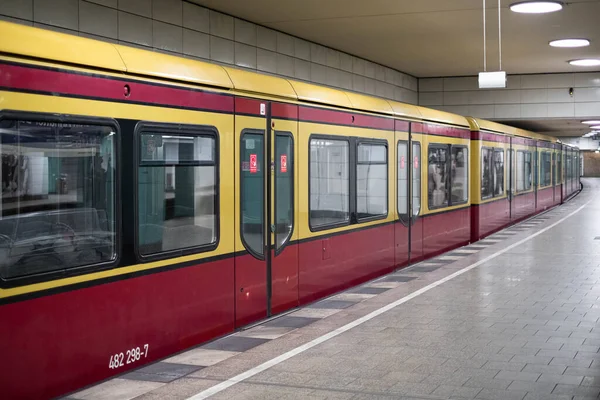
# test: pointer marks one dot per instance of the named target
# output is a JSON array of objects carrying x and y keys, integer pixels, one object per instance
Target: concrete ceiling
[
  {"x": 553, "y": 127},
  {"x": 430, "y": 38}
]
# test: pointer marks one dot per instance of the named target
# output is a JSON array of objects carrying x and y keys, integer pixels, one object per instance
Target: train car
[{"x": 151, "y": 203}]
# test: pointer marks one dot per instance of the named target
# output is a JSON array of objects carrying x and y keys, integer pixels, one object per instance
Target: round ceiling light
[
  {"x": 591, "y": 122},
  {"x": 570, "y": 43},
  {"x": 586, "y": 62},
  {"x": 536, "y": 7},
  {"x": 595, "y": 127}
]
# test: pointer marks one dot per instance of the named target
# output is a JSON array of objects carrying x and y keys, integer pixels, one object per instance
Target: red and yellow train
[{"x": 151, "y": 203}]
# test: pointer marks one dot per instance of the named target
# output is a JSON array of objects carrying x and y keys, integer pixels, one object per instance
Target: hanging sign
[
  {"x": 283, "y": 163},
  {"x": 253, "y": 164},
  {"x": 402, "y": 162},
  {"x": 416, "y": 162}
]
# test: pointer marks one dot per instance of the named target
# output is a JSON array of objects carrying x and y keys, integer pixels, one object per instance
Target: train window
[
  {"x": 527, "y": 171},
  {"x": 520, "y": 171},
  {"x": 284, "y": 188},
  {"x": 176, "y": 190},
  {"x": 403, "y": 161},
  {"x": 252, "y": 191},
  {"x": 439, "y": 179},
  {"x": 58, "y": 204},
  {"x": 416, "y": 178},
  {"x": 486, "y": 176},
  {"x": 329, "y": 182},
  {"x": 459, "y": 175},
  {"x": 498, "y": 173},
  {"x": 546, "y": 169},
  {"x": 371, "y": 180}
]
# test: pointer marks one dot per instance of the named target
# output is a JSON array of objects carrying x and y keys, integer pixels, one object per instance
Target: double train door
[
  {"x": 266, "y": 262},
  {"x": 409, "y": 229}
]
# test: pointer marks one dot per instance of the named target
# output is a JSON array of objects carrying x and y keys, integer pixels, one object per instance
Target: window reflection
[{"x": 58, "y": 196}]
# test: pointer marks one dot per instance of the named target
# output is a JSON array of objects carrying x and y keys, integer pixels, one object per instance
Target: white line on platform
[{"x": 300, "y": 349}]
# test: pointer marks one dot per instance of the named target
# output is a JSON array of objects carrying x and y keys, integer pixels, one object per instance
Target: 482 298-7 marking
[{"x": 130, "y": 356}]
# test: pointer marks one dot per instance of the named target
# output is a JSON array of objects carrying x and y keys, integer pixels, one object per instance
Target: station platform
[{"x": 513, "y": 316}]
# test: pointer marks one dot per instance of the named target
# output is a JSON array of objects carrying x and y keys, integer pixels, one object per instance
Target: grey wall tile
[
  {"x": 587, "y": 94},
  {"x": 507, "y": 111},
  {"x": 333, "y": 58},
  {"x": 534, "y": 81},
  {"x": 15, "y": 20},
  {"x": 285, "y": 65},
  {"x": 560, "y": 80},
  {"x": 55, "y": 28},
  {"x": 390, "y": 76},
  {"x": 369, "y": 69},
  {"x": 301, "y": 69},
  {"x": 285, "y": 44},
  {"x": 358, "y": 83},
  {"x": 318, "y": 54},
  {"x": 561, "y": 110},
  {"x": 170, "y": 11},
  {"x": 560, "y": 96},
  {"x": 587, "y": 79},
  {"x": 301, "y": 49},
  {"x": 534, "y": 110},
  {"x": 17, "y": 8},
  {"x": 507, "y": 96},
  {"x": 346, "y": 80},
  {"x": 358, "y": 66},
  {"x": 534, "y": 96},
  {"x": 167, "y": 37},
  {"x": 431, "y": 98},
  {"x": 138, "y": 7},
  {"x": 370, "y": 85},
  {"x": 196, "y": 44},
  {"x": 318, "y": 73},
  {"x": 221, "y": 25},
  {"x": 61, "y": 13},
  {"x": 245, "y": 55},
  {"x": 107, "y": 3},
  {"x": 587, "y": 109},
  {"x": 463, "y": 83},
  {"x": 196, "y": 17},
  {"x": 135, "y": 29},
  {"x": 221, "y": 50},
  {"x": 266, "y": 38},
  {"x": 431, "y": 84},
  {"x": 332, "y": 77},
  {"x": 346, "y": 62},
  {"x": 245, "y": 32},
  {"x": 379, "y": 72},
  {"x": 266, "y": 61},
  {"x": 98, "y": 20}
]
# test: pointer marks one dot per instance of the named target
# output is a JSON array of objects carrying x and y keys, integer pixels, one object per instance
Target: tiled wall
[
  {"x": 526, "y": 96},
  {"x": 582, "y": 143},
  {"x": 183, "y": 28}
]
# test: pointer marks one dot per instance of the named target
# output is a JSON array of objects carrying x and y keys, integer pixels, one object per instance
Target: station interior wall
[{"x": 186, "y": 29}]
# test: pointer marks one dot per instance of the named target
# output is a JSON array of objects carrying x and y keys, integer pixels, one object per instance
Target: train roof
[{"x": 41, "y": 44}]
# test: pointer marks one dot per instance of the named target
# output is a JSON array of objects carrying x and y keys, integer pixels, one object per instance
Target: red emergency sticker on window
[
  {"x": 283, "y": 163},
  {"x": 253, "y": 164}
]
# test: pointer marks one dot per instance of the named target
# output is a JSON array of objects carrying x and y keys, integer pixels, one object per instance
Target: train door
[
  {"x": 266, "y": 265},
  {"x": 511, "y": 178},
  {"x": 536, "y": 172},
  {"x": 409, "y": 229},
  {"x": 553, "y": 177}
]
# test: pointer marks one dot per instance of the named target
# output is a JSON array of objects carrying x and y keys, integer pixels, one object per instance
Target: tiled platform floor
[{"x": 515, "y": 318}]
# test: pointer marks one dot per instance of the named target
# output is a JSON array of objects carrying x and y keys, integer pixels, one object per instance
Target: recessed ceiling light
[
  {"x": 536, "y": 7},
  {"x": 586, "y": 62},
  {"x": 595, "y": 127},
  {"x": 591, "y": 122},
  {"x": 570, "y": 43}
]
